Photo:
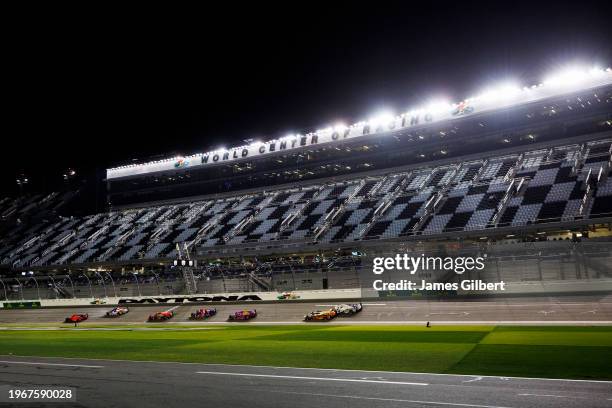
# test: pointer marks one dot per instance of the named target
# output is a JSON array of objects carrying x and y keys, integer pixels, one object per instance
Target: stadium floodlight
[
  {"x": 340, "y": 127},
  {"x": 438, "y": 106},
  {"x": 572, "y": 76},
  {"x": 567, "y": 79},
  {"x": 502, "y": 91},
  {"x": 381, "y": 118}
]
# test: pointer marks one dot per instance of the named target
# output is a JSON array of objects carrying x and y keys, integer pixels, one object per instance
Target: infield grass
[{"x": 576, "y": 352}]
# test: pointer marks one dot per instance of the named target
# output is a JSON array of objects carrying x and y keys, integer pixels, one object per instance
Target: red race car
[
  {"x": 242, "y": 315},
  {"x": 76, "y": 318},
  {"x": 161, "y": 316},
  {"x": 202, "y": 314}
]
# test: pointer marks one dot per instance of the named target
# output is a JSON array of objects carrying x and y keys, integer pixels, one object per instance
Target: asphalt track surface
[
  {"x": 113, "y": 383},
  {"x": 536, "y": 310}
]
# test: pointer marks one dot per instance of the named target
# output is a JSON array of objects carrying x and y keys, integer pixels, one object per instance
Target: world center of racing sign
[{"x": 435, "y": 113}]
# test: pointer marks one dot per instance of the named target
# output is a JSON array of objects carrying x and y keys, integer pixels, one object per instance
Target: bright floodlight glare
[
  {"x": 339, "y": 127},
  {"x": 381, "y": 118},
  {"x": 504, "y": 90},
  {"x": 597, "y": 71},
  {"x": 572, "y": 76},
  {"x": 438, "y": 106}
]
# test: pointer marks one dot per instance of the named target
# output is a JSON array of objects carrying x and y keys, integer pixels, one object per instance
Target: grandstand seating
[{"x": 564, "y": 183}]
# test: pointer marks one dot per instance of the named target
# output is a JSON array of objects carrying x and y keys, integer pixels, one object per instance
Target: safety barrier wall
[{"x": 202, "y": 297}]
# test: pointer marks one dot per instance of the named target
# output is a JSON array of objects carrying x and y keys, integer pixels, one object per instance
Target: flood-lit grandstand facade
[{"x": 532, "y": 163}]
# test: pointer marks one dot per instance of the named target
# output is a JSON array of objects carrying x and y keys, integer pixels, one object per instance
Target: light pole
[
  {"x": 89, "y": 283},
  {"x": 112, "y": 283},
  {"x": 137, "y": 284},
  {"x": 37, "y": 288},
  {"x": 20, "y": 288},
  {"x": 55, "y": 289},
  {"x": 101, "y": 279},
  {"x": 157, "y": 282},
  {"x": 71, "y": 285},
  {"x": 292, "y": 275},
  {"x": 4, "y": 286}
]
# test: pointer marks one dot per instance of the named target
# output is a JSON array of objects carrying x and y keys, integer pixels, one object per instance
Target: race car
[
  {"x": 117, "y": 311},
  {"x": 321, "y": 315},
  {"x": 242, "y": 315},
  {"x": 98, "y": 301},
  {"x": 287, "y": 296},
  {"x": 348, "y": 309},
  {"x": 161, "y": 316},
  {"x": 76, "y": 318},
  {"x": 202, "y": 314}
]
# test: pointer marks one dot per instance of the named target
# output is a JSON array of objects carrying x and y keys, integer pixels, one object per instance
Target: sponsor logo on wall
[
  {"x": 462, "y": 109},
  {"x": 180, "y": 163},
  {"x": 230, "y": 298}
]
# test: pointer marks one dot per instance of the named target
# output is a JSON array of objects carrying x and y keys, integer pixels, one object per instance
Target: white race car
[
  {"x": 348, "y": 309},
  {"x": 117, "y": 311}
]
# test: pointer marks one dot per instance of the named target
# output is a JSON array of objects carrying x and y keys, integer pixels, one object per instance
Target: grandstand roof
[{"x": 495, "y": 98}]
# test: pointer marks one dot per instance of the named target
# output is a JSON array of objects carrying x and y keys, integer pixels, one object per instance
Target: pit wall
[
  {"x": 549, "y": 288},
  {"x": 202, "y": 297}
]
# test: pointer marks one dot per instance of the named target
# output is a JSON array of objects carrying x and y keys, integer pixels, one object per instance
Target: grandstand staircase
[
  {"x": 514, "y": 187},
  {"x": 156, "y": 236},
  {"x": 61, "y": 291},
  {"x": 435, "y": 202},
  {"x": 481, "y": 170},
  {"x": 513, "y": 170},
  {"x": 26, "y": 245},
  {"x": 376, "y": 187},
  {"x": 294, "y": 215},
  {"x": 117, "y": 245},
  {"x": 384, "y": 206},
  {"x": 591, "y": 181},
  {"x": 335, "y": 213},
  {"x": 211, "y": 224},
  {"x": 579, "y": 160},
  {"x": 60, "y": 243},
  {"x": 259, "y": 283},
  {"x": 166, "y": 221},
  {"x": 195, "y": 211},
  {"x": 238, "y": 228},
  {"x": 191, "y": 286}
]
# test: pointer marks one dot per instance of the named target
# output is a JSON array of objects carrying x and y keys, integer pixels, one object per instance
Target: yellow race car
[{"x": 321, "y": 315}]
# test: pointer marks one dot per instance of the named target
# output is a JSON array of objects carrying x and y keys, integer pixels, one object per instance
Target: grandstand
[{"x": 533, "y": 167}]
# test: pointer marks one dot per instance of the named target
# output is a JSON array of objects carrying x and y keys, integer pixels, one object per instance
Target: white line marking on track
[
  {"x": 452, "y": 404},
  {"x": 175, "y": 328},
  {"x": 550, "y": 396},
  {"x": 416, "y": 322},
  {"x": 295, "y": 377},
  {"x": 505, "y": 378},
  {"x": 48, "y": 364}
]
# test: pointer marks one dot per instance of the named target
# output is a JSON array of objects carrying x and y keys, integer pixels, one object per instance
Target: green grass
[{"x": 550, "y": 351}]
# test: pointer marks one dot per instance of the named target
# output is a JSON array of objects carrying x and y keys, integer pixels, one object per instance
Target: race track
[
  {"x": 109, "y": 383},
  {"x": 570, "y": 310}
]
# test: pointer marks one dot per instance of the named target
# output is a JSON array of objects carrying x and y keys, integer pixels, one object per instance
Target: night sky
[{"x": 93, "y": 88}]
